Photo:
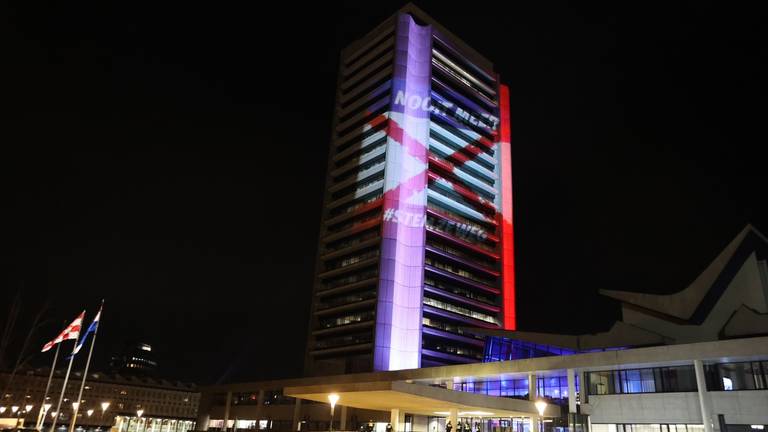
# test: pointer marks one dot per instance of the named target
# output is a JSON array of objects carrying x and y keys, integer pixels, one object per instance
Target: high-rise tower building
[{"x": 416, "y": 242}]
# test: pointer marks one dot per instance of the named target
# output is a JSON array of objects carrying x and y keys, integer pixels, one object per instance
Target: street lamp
[
  {"x": 540, "y": 407},
  {"x": 89, "y": 412},
  {"x": 41, "y": 420},
  {"x": 28, "y": 408},
  {"x": 15, "y": 410},
  {"x": 75, "y": 405},
  {"x": 139, "y": 413},
  {"x": 332, "y": 398},
  {"x": 2, "y": 409},
  {"x": 104, "y": 406}
]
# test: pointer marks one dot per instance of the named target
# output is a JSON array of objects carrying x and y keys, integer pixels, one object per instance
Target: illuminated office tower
[{"x": 416, "y": 243}]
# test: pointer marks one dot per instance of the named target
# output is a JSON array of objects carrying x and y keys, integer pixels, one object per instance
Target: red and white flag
[{"x": 71, "y": 332}]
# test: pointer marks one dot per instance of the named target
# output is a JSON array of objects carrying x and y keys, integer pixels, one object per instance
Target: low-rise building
[
  {"x": 109, "y": 400},
  {"x": 692, "y": 361}
]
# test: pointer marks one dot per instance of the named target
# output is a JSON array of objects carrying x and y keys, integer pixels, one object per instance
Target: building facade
[
  {"x": 695, "y": 387},
  {"x": 413, "y": 326},
  {"x": 165, "y": 406},
  {"x": 416, "y": 239},
  {"x": 692, "y": 361}
]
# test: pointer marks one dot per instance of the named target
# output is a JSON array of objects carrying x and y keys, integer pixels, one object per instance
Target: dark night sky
[{"x": 171, "y": 159}]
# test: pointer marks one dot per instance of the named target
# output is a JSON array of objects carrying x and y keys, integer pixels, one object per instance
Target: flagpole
[
  {"x": 41, "y": 414},
  {"x": 85, "y": 373},
  {"x": 63, "y": 389}
]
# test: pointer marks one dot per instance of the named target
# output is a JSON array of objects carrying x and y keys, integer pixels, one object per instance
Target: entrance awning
[{"x": 418, "y": 399}]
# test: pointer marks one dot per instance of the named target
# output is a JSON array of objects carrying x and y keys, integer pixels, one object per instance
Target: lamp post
[
  {"x": 540, "y": 407},
  {"x": 104, "y": 406},
  {"x": 332, "y": 398},
  {"x": 14, "y": 411},
  {"x": 46, "y": 408},
  {"x": 27, "y": 409},
  {"x": 139, "y": 413}
]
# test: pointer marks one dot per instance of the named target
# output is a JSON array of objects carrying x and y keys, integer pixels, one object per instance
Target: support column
[
  {"x": 532, "y": 381},
  {"x": 343, "y": 419},
  {"x": 571, "y": 391},
  {"x": 453, "y": 417},
  {"x": 296, "y": 414},
  {"x": 532, "y": 387},
  {"x": 204, "y": 412},
  {"x": 226, "y": 411},
  {"x": 583, "y": 388},
  {"x": 259, "y": 405},
  {"x": 701, "y": 383},
  {"x": 396, "y": 419}
]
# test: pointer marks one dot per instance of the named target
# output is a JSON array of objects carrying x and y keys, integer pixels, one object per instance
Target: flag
[
  {"x": 71, "y": 332},
  {"x": 91, "y": 329}
]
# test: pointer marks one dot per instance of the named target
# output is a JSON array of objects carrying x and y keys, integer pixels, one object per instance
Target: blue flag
[{"x": 91, "y": 329}]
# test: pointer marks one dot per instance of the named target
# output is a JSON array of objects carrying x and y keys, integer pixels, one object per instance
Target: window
[
  {"x": 346, "y": 319},
  {"x": 737, "y": 376},
  {"x": 649, "y": 380}
]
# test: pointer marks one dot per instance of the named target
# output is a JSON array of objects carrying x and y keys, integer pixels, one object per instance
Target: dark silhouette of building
[{"x": 136, "y": 358}]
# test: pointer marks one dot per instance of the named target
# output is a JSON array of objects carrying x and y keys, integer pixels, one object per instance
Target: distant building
[
  {"x": 136, "y": 359},
  {"x": 167, "y": 406}
]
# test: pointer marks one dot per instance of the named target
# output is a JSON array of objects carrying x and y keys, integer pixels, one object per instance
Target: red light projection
[{"x": 507, "y": 227}]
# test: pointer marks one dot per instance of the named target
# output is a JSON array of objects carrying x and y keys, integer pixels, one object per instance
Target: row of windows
[
  {"x": 352, "y": 259},
  {"x": 460, "y": 178},
  {"x": 464, "y": 230},
  {"x": 454, "y": 196},
  {"x": 456, "y": 210},
  {"x": 463, "y": 149},
  {"x": 354, "y": 62},
  {"x": 553, "y": 387},
  {"x": 355, "y": 221},
  {"x": 457, "y": 271},
  {"x": 360, "y": 185},
  {"x": 351, "y": 241},
  {"x": 450, "y": 328},
  {"x": 596, "y": 427},
  {"x": 650, "y": 380},
  {"x": 372, "y": 164},
  {"x": 276, "y": 397},
  {"x": 352, "y": 339},
  {"x": 355, "y": 204},
  {"x": 445, "y": 346},
  {"x": 352, "y": 278},
  {"x": 370, "y": 148},
  {"x": 355, "y": 195},
  {"x": 463, "y": 66},
  {"x": 444, "y": 128},
  {"x": 462, "y": 253},
  {"x": 719, "y": 377},
  {"x": 344, "y": 299},
  {"x": 357, "y": 78},
  {"x": 346, "y": 319},
  {"x": 737, "y": 376},
  {"x": 441, "y": 70},
  {"x": 461, "y": 310},
  {"x": 458, "y": 291}
]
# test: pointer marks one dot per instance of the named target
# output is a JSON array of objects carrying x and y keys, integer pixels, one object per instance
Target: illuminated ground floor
[{"x": 703, "y": 387}]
